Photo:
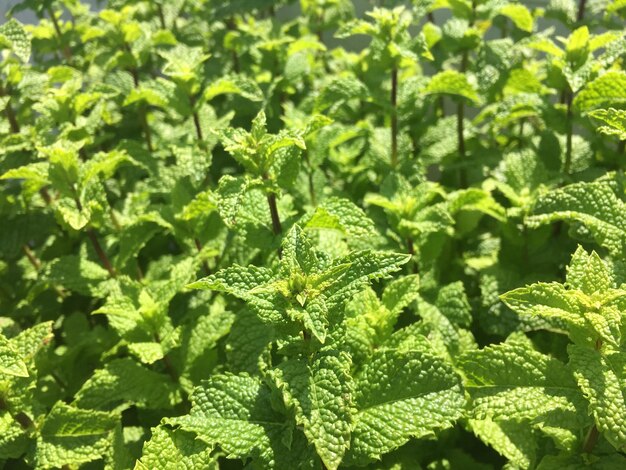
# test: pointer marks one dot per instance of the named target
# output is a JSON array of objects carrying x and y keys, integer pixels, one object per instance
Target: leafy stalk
[
  {"x": 594, "y": 434},
  {"x": 569, "y": 131},
  {"x": 93, "y": 238},
  {"x": 394, "y": 116},
  {"x": 460, "y": 129},
  {"x": 276, "y": 226},
  {"x": 143, "y": 114},
  {"x": 67, "y": 53},
  {"x": 581, "y": 10}
]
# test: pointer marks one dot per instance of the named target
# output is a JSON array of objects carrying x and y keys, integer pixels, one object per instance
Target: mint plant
[{"x": 316, "y": 234}]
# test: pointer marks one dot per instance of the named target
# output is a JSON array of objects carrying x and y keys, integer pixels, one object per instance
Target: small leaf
[
  {"x": 13, "y": 35},
  {"x": 606, "y": 90},
  {"x": 10, "y": 361},
  {"x": 451, "y": 82}
]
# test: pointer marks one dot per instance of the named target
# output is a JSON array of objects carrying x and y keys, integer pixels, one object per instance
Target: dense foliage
[{"x": 274, "y": 235}]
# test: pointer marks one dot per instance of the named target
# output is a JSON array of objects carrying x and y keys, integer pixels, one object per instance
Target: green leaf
[
  {"x": 71, "y": 436},
  {"x": 401, "y": 395},
  {"x": 235, "y": 84},
  {"x": 601, "y": 378},
  {"x": 235, "y": 412},
  {"x": 123, "y": 381},
  {"x": 343, "y": 215},
  {"x": 320, "y": 392},
  {"x": 511, "y": 382},
  {"x": 171, "y": 449},
  {"x": 298, "y": 254},
  {"x": 11, "y": 362},
  {"x": 235, "y": 280},
  {"x": 515, "y": 441},
  {"x": 519, "y": 15},
  {"x": 587, "y": 273},
  {"x": 14, "y": 36},
  {"x": 606, "y": 90},
  {"x": 595, "y": 205},
  {"x": 454, "y": 83},
  {"x": 400, "y": 293},
  {"x": 183, "y": 62},
  {"x": 615, "y": 120}
]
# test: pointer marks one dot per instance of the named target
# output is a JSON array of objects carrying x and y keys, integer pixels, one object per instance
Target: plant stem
[
  {"x": 31, "y": 257},
  {"x": 21, "y": 418},
  {"x": 65, "y": 49},
  {"x": 169, "y": 367},
  {"x": 161, "y": 15},
  {"x": 411, "y": 251},
  {"x": 93, "y": 238},
  {"x": 143, "y": 118},
  {"x": 581, "y": 10},
  {"x": 276, "y": 226},
  {"x": 594, "y": 433},
  {"x": 568, "y": 137},
  {"x": 460, "y": 128},
  {"x": 312, "y": 196},
  {"x": 10, "y": 114},
  {"x": 205, "y": 266},
  {"x": 591, "y": 439},
  {"x": 230, "y": 23},
  {"x": 431, "y": 17},
  {"x": 394, "y": 117},
  {"x": 91, "y": 234}
]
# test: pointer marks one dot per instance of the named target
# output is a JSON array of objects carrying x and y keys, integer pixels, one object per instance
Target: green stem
[
  {"x": 31, "y": 257},
  {"x": 104, "y": 259},
  {"x": 169, "y": 367},
  {"x": 93, "y": 238},
  {"x": 65, "y": 49},
  {"x": 593, "y": 434},
  {"x": 276, "y": 225},
  {"x": 21, "y": 418},
  {"x": 394, "y": 116},
  {"x": 581, "y": 10},
  {"x": 143, "y": 114},
  {"x": 591, "y": 439},
  {"x": 568, "y": 137},
  {"x": 205, "y": 266},
  {"x": 411, "y": 251},
  {"x": 230, "y": 23},
  {"x": 10, "y": 114},
  {"x": 460, "y": 128},
  {"x": 161, "y": 15},
  {"x": 312, "y": 196}
]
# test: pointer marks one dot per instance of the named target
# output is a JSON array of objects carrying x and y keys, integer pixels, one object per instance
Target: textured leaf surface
[
  {"x": 71, "y": 436},
  {"x": 173, "y": 449},
  {"x": 235, "y": 412},
  {"x": 11, "y": 362},
  {"x": 401, "y": 395},
  {"x": 13, "y": 34},
  {"x": 615, "y": 120},
  {"x": 593, "y": 204},
  {"x": 602, "y": 379},
  {"x": 451, "y": 82},
  {"x": 125, "y": 381},
  {"x": 511, "y": 382},
  {"x": 515, "y": 441},
  {"x": 606, "y": 90},
  {"x": 321, "y": 394}
]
